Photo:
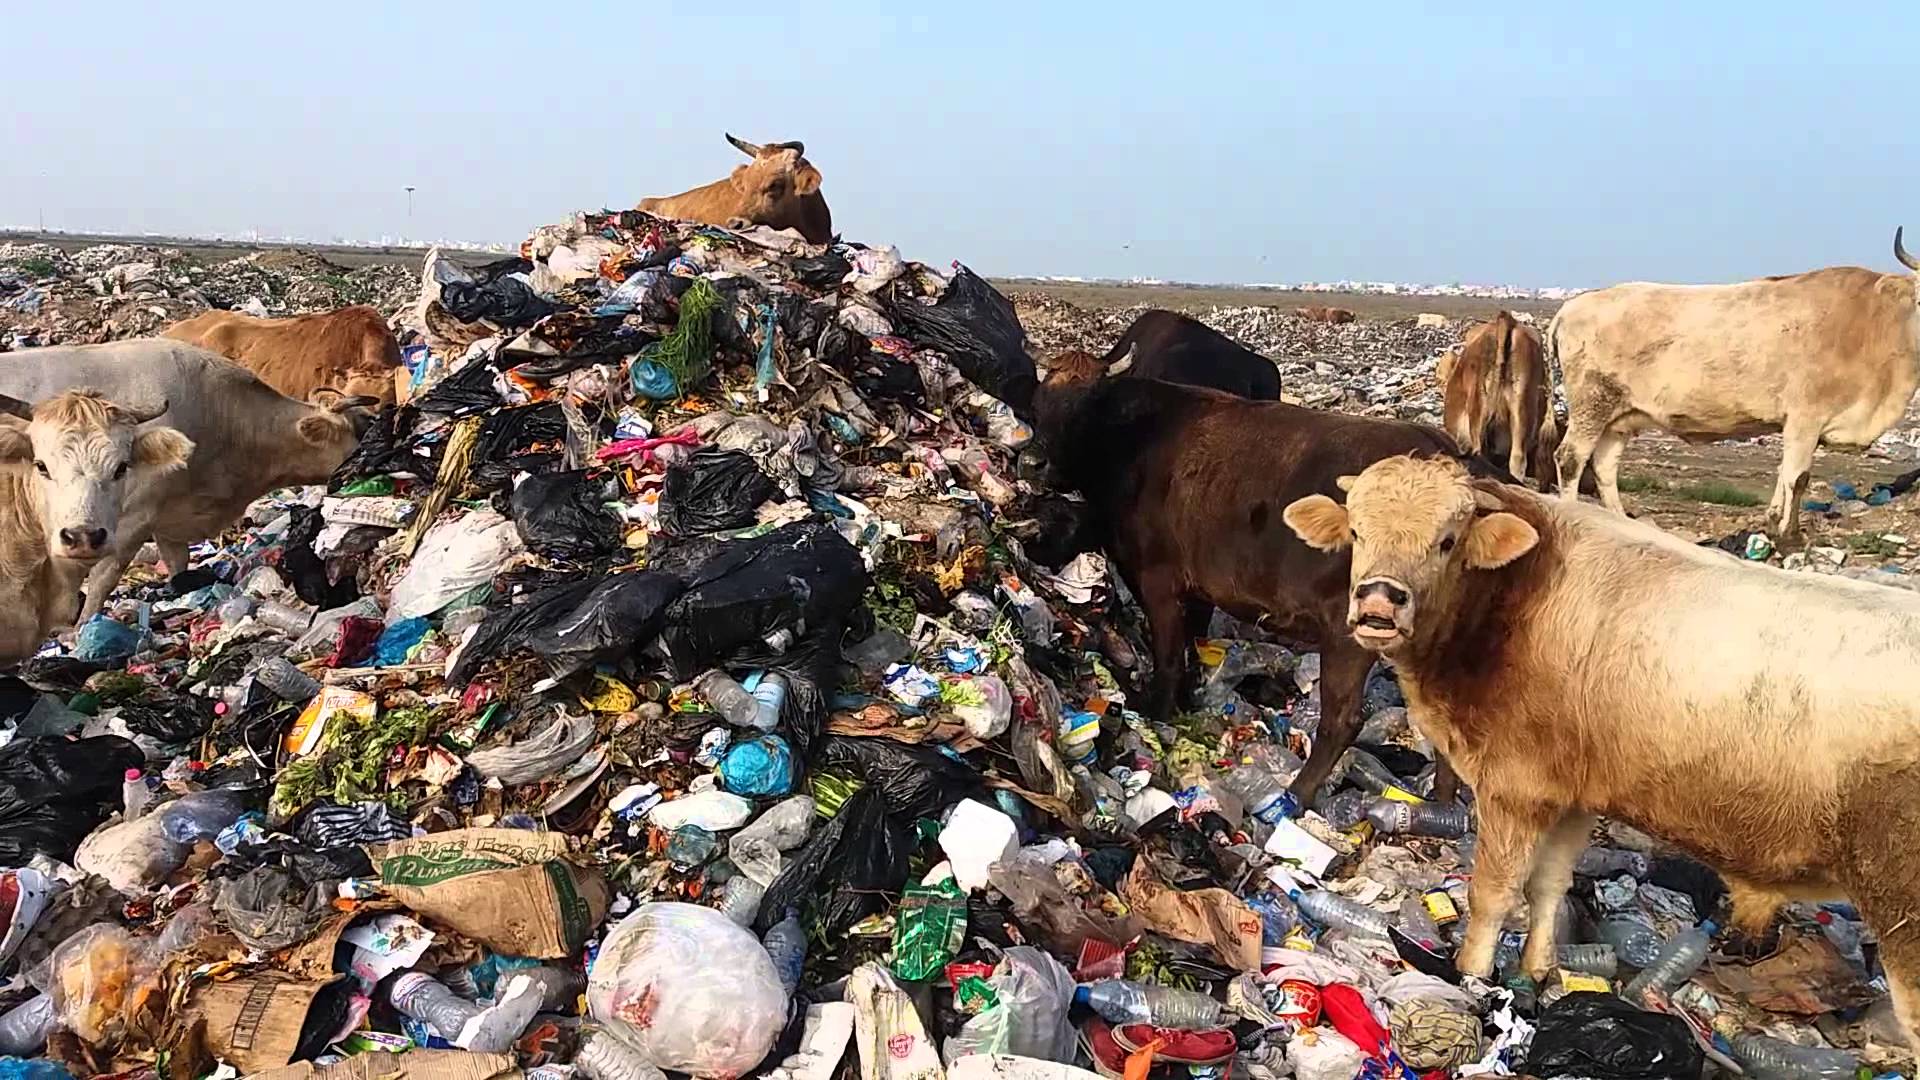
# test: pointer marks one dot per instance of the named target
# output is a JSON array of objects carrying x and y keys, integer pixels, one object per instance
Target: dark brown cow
[
  {"x": 1169, "y": 346},
  {"x": 1497, "y": 397},
  {"x": 1322, "y": 313},
  {"x": 1186, "y": 487}
]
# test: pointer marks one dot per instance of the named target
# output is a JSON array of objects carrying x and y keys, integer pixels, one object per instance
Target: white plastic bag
[
  {"x": 1029, "y": 1018},
  {"x": 688, "y": 989},
  {"x": 453, "y": 558}
]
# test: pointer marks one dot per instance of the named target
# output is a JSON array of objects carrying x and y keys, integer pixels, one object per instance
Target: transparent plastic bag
[
  {"x": 102, "y": 976},
  {"x": 1029, "y": 1017},
  {"x": 688, "y": 989}
]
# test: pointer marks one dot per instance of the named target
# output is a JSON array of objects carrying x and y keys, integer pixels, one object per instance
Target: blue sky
[{"x": 1218, "y": 142}]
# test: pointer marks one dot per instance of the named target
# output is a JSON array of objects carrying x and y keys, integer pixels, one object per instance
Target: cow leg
[
  {"x": 1552, "y": 876},
  {"x": 1197, "y": 617},
  {"x": 1343, "y": 681},
  {"x": 1517, "y": 440},
  {"x": 1446, "y": 782},
  {"x": 1796, "y": 469},
  {"x": 103, "y": 577},
  {"x": 174, "y": 554},
  {"x": 1582, "y": 435},
  {"x": 1159, "y": 596},
  {"x": 1503, "y": 857},
  {"x": 1606, "y": 468}
]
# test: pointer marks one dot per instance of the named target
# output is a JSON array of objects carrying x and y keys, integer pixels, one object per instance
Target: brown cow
[
  {"x": 1498, "y": 397},
  {"x": 350, "y": 350},
  {"x": 1185, "y": 488},
  {"x": 1322, "y": 313},
  {"x": 780, "y": 189},
  {"x": 1572, "y": 663}
]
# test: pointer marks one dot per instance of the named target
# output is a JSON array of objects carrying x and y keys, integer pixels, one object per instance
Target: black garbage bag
[
  {"x": 978, "y": 330},
  {"x": 509, "y": 432},
  {"x": 269, "y": 910},
  {"x": 487, "y": 273},
  {"x": 506, "y": 300},
  {"x": 386, "y": 446},
  {"x": 560, "y": 516},
  {"x": 1602, "y": 1037},
  {"x": 822, "y": 271},
  {"x": 855, "y": 866},
  {"x": 17, "y": 699},
  {"x": 171, "y": 722},
  {"x": 510, "y": 623},
  {"x": 307, "y": 571},
  {"x": 54, "y": 791},
  {"x": 801, "y": 578},
  {"x": 468, "y": 390},
  {"x": 713, "y": 490},
  {"x": 916, "y": 781},
  {"x": 622, "y": 612}
]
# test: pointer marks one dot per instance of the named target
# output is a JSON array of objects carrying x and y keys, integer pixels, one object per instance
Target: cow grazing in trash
[
  {"x": 350, "y": 350},
  {"x": 1498, "y": 399},
  {"x": 779, "y": 188},
  {"x": 1185, "y": 490},
  {"x": 248, "y": 438},
  {"x": 1321, "y": 313},
  {"x": 1572, "y": 663},
  {"x": 68, "y": 467},
  {"x": 1827, "y": 356},
  {"x": 1169, "y": 346}
]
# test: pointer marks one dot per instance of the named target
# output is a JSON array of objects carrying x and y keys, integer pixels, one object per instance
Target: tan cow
[
  {"x": 1572, "y": 663},
  {"x": 1322, "y": 313},
  {"x": 1498, "y": 396},
  {"x": 350, "y": 350},
  {"x": 780, "y": 189},
  {"x": 68, "y": 468},
  {"x": 1827, "y": 356}
]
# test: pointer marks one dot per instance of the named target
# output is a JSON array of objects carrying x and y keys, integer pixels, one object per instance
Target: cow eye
[
  {"x": 1446, "y": 545},
  {"x": 120, "y": 471},
  {"x": 41, "y": 467}
]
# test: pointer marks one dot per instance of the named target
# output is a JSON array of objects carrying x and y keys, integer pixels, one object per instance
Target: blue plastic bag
[
  {"x": 105, "y": 639},
  {"x": 758, "y": 767},
  {"x": 397, "y": 641},
  {"x": 650, "y": 380}
]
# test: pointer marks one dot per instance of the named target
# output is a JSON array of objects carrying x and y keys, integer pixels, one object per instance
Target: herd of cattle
[{"x": 1563, "y": 659}]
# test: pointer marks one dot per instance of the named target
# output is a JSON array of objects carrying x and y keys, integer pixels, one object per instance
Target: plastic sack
[
  {"x": 453, "y": 558},
  {"x": 55, "y": 791},
  {"x": 396, "y": 641},
  {"x": 712, "y": 491},
  {"x": 101, "y": 638},
  {"x": 101, "y": 978},
  {"x": 12, "y": 1068},
  {"x": 688, "y": 989},
  {"x": 1051, "y": 914},
  {"x": 559, "y": 516},
  {"x": 744, "y": 593},
  {"x": 982, "y": 702},
  {"x": 978, "y": 331},
  {"x": 622, "y": 612},
  {"x": 1600, "y": 1036},
  {"x": 852, "y": 867},
  {"x": 269, "y": 911},
  {"x": 539, "y": 756},
  {"x": 916, "y": 781},
  {"x": 134, "y": 856},
  {"x": 1321, "y": 1053},
  {"x": 1033, "y": 993},
  {"x": 758, "y": 767}
]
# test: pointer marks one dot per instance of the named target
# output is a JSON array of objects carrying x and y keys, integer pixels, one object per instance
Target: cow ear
[
  {"x": 1319, "y": 522},
  {"x": 1345, "y": 483},
  {"x": 1497, "y": 539},
  {"x": 15, "y": 445},
  {"x": 164, "y": 449},
  {"x": 318, "y": 429},
  {"x": 806, "y": 180},
  {"x": 738, "y": 177}
]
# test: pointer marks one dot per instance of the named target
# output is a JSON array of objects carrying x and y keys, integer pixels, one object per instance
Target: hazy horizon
[{"x": 1532, "y": 148}]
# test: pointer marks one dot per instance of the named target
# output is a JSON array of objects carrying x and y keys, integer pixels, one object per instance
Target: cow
[
  {"x": 68, "y": 467},
  {"x": 249, "y": 438},
  {"x": 1827, "y": 356},
  {"x": 350, "y": 350},
  {"x": 1571, "y": 662},
  {"x": 1498, "y": 398},
  {"x": 780, "y": 189},
  {"x": 1322, "y": 313},
  {"x": 1174, "y": 348},
  {"x": 1185, "y": 488}
]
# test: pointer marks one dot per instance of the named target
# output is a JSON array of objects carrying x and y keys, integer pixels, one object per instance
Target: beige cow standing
[
  {"x": 1571, "y": 662},
  {"x": 1498, "y": 398},
  {"x": 1827, "y": 356}
]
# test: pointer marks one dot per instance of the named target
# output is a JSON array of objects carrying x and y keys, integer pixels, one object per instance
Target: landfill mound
[{"x": 688, "y": 677}]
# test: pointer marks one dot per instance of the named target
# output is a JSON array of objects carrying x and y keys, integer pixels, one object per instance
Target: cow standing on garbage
[
  {"x": 72, "y": 464},
  {"x": 350, "y": 350},
  {"x": 1827, "y": 356},
  {"x": 1573, "y": 663},
  {"x": 780, "y": 189},
  {"x": 248, "y": 438},
  {"x": 1498, "y": 397},
  {"x": 1172, "y": 347}
]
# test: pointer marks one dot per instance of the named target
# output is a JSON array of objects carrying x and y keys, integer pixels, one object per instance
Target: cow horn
[
  {"x": 141, "y": 416},
  {"x": 357, "y": 401},
  {"x": 1124, "y": 362},
  {"x": 13, "y": 406},
  {"x": 1487, "y": 500},
  {"x": 1900, "y": 250},
  {"x": 743, "y": 146},
  {"x": 794, "y": 145}
]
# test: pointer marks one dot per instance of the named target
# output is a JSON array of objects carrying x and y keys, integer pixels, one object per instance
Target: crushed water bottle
[
  {"x": 1366, "y": 772},
  {"x": 1634, "y": 942},
  {"x": 1121, "y": 1002},
  {"x": 728, "y": 698},
  {"x": 1336, "y": 912},
  {"x": 1767, "y": 1058},
  {"x": 1260, "y": 782},
  {"x": 740, "y": 903},
  {"x": 602, "y": 1056},
  {"x": 1449, "y": 821},
  {"x": 1417, "y": 922},
  {"x": 1591, "y": 959},
  {"x": 1678, "y": 960},
  {"x": 755, "y": 850},
  {"x": 1602, "y": 862},
  {"x": 786, "y": 944}
]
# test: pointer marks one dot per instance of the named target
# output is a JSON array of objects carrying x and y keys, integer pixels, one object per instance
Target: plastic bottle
[
  {"x": 602, "y": 1056},
  {"x": 1119, "y": 1001},
  {"x": 728, "y": 698},
  {"x": 1417, "y": 923},
  {"x": 755, "y": 850},
  {"x": 25, "y": 1029},
  {"x": 286, "y": 681},
  {"x": 1345, "y": 810},
  {"x": 1261, "y": 784},
  {"x": 1767, "y": 1058},
  {"x": 1634, "y": 942},
  {"x": 429, "y": 1001},
  {"x": 285, "y": 618},
  {"x": 201, "y": 815},
  {"x": 134, "y": 794},
  {"x": 741, "y": 901},
  {"x": 1679, "y": 958},
  {"x": 1846, "y": 936},
  {"x": 769, "y": 697},
  {"x": 1395, "y": 818},
  {"x": 1601, "y": 862},
  {"x": 1592, "y": 959},
  {"x": 233, "y": 609},
  {"x": 1336, "y": 912},
  {"x": 786, "y": 944},
  {"x": 1366, "y": 772}
]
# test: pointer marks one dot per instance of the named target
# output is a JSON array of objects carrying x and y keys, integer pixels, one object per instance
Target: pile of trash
[
  {"x": 106, "y": 292},
  {"x": 688, "y": 677}
]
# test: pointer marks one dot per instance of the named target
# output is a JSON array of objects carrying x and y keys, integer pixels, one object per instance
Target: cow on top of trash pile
[
  {"x": 780, "y": 189},
  {"x": 1497, "y": 397},
  {"x": 350, "y": 350},
  {"x": 1322, "y": 313},
  {"x": 1571, "y": 662},
  {"x": 248, "y": 438},
  {"x": 1827, "y": 356},
  {"x": 73, "y": 463},
  {"x": 1185, "y": 489},
  {"x": 1169, "y": 346}
]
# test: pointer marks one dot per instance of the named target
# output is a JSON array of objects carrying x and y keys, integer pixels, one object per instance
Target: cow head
[
  {"x": 87, "y": 459},
  {"x": 337, "y": 420},
  {"x": 1416, "y": 527},
  {"x": 774, "y": 186},
  {"x": 1076, "y": 366}
]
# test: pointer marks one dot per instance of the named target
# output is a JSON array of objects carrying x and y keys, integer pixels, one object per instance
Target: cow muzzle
[
  {"x": 1380, "y": 612},
  {"x": 82, "y": 544}
]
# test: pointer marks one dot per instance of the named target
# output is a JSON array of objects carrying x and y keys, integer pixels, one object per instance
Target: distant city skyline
[{"x": 1525, "y": 145}]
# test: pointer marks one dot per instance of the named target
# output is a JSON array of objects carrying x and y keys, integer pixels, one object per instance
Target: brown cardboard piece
[
  {"x": 412, "y": 1065},
  {"x": 512, "y": 890},
  {"x": 1213, "y": 917},
  {"x": 253, "y": 1022}
]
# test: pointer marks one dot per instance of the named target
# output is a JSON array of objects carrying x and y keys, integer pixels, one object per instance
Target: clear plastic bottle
[
  {"x": 24, "y": 1030},
  {"x": 769, "y": 697},
  {"x": 786, "y": 944},
  {"x": 134, "y": 794},
  {"x": 755, "y": 850},
  {"x": 1846, "y": 935},
  {"x": 1767, "y": 1058},
  {"x": 1345, "y": 810},
  {"x": 286, "y": 618},
  {"x": 1260, "y": 783},
  {"x": 741, "y": 900},
  {"x": 1336, "y": 912},
  {"x": 1119, "y": 1001},
  {"x": 1603, "y": 862},
  {"x": 1596, "y": 958},
  {"x": 429, "y": 1001},
  {"x": 1366, "y": 772},
  {"x": 1634, "y": 942},
  {"x": 1243, "y": 658},
  {"x": 287, "y": 682},
  {"x": 1417, "y": 923},
  {"x": 1679, "y": 958},
  {"x": 728, "y": 698},
  {"x": 602, "y": 1056},
  {"x": 1395, "y": 818}
]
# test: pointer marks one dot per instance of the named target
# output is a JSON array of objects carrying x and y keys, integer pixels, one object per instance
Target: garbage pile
[
  {"x": 685, "y": 679},
  {"x": 49, "y": 296}
]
